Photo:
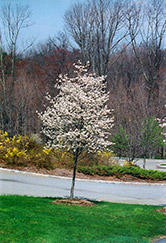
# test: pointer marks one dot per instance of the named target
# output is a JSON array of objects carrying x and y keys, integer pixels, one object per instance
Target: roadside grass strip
[{"x": 32, "y": 219}]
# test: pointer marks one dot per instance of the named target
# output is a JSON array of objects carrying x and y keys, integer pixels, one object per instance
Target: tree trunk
[
  {"x": 144, "y": 162},
  {"x": 75, "y": 156},
  {"x": 163, "y": 151}
]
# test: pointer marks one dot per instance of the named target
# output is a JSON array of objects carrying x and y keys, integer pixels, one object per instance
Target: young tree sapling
[{"x": 78, "y": 118}]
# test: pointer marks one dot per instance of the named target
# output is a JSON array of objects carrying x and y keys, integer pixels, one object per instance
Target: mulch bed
[
  {"x": 163, "y": 210},
  {"x": 77, "y": 202}
]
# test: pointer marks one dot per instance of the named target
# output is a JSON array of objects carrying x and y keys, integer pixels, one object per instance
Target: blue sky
[{"x": 47, "y": 16}]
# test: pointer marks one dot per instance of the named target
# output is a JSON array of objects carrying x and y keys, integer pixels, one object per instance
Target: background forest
[{"x": 122, "y": 40}]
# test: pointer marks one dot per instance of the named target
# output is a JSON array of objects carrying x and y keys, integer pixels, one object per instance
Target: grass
[
  {"x": 163, "y": 164},
  {"x": 28, "y": 219}
]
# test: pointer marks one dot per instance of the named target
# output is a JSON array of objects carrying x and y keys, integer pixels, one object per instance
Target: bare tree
[
  {"x": 130, "y": 110},
  {"x": 61, "y": 40},
  {"x": 149, "y": 22},
  {"x": 14, "y": 19},
  {"x": 96, "y": 26}
]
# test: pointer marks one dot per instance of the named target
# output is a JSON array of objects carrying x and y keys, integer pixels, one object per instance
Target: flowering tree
[
  {"x": 162, "y": 124},
  {"x": 78, "y": 118}
]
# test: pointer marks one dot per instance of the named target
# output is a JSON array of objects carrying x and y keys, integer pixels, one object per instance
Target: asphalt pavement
[
  {"x": 23, "y": 183},
  {"x": 161, "y": 241}
]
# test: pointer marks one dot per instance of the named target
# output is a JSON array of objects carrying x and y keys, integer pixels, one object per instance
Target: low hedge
[{"x": 119, "y": 171}]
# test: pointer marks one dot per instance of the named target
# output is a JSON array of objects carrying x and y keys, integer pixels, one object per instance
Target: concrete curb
[
  {"x": 85, "y": 180},
  {"x": 161, "y": 167}
]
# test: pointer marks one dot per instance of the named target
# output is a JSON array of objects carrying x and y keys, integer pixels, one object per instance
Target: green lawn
[{"x": 29, "y": 219}]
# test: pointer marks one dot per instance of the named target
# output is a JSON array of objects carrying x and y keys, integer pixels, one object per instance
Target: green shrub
[
  {"x": 120, "y": 142},
  {"x": 119, "y": 171}
]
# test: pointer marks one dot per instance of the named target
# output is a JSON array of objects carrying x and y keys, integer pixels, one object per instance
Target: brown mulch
[
  {"x": 77, "y": 202},
  {"x": 69, "y": 172},
  {"x": 163, "y": 210}
]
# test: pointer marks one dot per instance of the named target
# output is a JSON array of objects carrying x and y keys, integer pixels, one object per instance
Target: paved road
[{"x": 51, "y": 186}]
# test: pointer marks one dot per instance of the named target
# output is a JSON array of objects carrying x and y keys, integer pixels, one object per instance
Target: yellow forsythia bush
[
  {"x": 128, "y": 163},
  {"x": 23, "y": 151},
  {"x": 106, "y": 157},
  {"x": 43, "y": 158},
  {"x": 63, "y": 159},
  {"x": 12, "y": 150}
]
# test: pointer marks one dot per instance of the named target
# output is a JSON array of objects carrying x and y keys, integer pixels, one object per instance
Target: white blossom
[
  {"x": 78, "y": 117},
  {"x": 162, "y": 123}
]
